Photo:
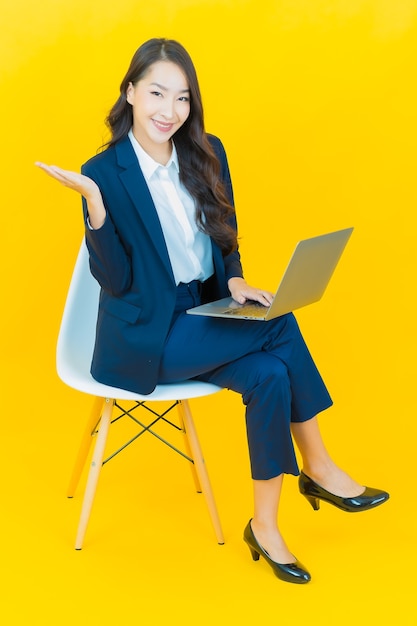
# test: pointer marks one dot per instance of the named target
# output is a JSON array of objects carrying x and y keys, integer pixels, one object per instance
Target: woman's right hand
[{"x": 85, "y": 186}]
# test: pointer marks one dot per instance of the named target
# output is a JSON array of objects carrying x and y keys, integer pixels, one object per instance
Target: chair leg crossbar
[
  {"x": 98, "y": 427},
  {"x": 147, "y": 428}
]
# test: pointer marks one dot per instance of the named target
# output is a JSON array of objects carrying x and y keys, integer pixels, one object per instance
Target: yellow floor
[{"x": 150, "y": 554}]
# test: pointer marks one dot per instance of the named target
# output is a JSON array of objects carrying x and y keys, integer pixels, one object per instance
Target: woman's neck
[{"x": 161, "y": 153}]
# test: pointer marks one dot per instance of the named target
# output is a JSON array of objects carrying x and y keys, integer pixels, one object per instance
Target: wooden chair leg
[
  {"x": 94, "y": 473},
  {"x": 200, "y": 467},
  {"x": 85, "y": 446},
  {"x": 188, "y": 450}
]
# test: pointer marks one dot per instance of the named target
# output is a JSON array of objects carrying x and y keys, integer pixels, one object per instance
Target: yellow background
[{"x": 315, "y": 101}]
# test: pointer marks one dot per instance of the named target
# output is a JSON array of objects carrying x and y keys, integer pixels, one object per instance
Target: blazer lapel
[{"x": 134, "y": 182}]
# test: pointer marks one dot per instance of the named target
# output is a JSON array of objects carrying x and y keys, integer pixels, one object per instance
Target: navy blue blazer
[{"x": 129, "y": 258}]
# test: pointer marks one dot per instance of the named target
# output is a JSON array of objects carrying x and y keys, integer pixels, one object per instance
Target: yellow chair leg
[
  {"x": 85, "y": 446},
  {"x": 94, "y": 473},
  {"x": 199, "y": 463}
]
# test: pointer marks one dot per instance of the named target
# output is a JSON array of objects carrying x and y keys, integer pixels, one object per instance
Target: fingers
[
  {"x": 258, "y": 295},
  {"x": 241, "y": 292},
  {"x": 55, "y": 172},
  {"x": 43, "y": 166},
  {"x": 264, "y": 297},
  {"x": 72, "y": 180}
]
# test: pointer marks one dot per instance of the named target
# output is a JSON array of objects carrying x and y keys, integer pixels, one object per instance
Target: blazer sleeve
[{"x": 110, "y": 263}]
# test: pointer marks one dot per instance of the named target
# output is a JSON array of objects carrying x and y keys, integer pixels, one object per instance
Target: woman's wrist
[
  {"x": 235, "y": 282},
  {"x": 96, "y": 211}
]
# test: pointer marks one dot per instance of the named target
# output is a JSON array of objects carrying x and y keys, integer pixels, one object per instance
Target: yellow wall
[{"x": 315, "y": 101}]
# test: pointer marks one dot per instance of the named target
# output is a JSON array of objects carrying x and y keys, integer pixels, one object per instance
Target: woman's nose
[{"x": 168, "y": 109}]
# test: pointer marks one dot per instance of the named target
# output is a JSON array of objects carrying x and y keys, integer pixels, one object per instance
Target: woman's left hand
[{"x": 241, "y": 292}]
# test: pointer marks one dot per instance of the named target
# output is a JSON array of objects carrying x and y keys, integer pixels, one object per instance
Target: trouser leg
[
  {"x": 263, "y": 382},
  {"x": 268, "y": 363}
]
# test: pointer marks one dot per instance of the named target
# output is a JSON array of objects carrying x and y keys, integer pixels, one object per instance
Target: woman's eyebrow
[{"x": 166, "y": 89}]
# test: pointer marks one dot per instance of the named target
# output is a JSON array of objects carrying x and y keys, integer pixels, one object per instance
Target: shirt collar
[{"x": 147, "y": 164}]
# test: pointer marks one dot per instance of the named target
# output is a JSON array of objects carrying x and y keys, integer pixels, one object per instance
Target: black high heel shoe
[
  {"x": 289, "y": 572},
  {"x": 369, "y": 499}
]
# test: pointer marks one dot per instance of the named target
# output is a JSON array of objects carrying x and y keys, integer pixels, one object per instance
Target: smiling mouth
[{"x": 162, "y": 126}]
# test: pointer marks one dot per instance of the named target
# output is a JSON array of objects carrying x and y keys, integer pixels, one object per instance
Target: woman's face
[{"x": 161, "y": 104}]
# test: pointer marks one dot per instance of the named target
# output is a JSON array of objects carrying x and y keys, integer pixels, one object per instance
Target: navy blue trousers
[{"x": 268, "y": 363}]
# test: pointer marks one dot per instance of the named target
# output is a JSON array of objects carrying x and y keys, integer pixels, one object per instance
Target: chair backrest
[
  {"x": 78, "y": 326},
  {"x": 76, "y": 343}
]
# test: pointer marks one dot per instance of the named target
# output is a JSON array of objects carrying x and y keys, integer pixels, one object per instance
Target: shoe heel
[
  {"x": 315, "y": 502},
  {"x": 254, "y": 553}
]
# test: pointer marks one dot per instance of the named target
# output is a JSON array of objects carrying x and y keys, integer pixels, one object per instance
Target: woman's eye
[
  {"x": 184, "y": 99},
  {"x": 156, "y": 93}
]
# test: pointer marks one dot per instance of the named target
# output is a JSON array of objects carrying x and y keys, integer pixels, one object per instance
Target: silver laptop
[{"x": 304, "y": 282}]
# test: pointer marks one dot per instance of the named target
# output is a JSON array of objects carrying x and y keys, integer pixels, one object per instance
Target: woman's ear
[{"x": 129, "y": 92}]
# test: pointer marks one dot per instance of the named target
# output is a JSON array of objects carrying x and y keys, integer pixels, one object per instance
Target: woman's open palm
[{"x": 73, "y": 180}]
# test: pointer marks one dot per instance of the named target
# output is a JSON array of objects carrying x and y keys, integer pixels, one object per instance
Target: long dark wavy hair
[{"x": 199, "y": 166}]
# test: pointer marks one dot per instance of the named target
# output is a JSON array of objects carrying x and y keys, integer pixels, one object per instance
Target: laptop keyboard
[{"x": 253, "y": 309}]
